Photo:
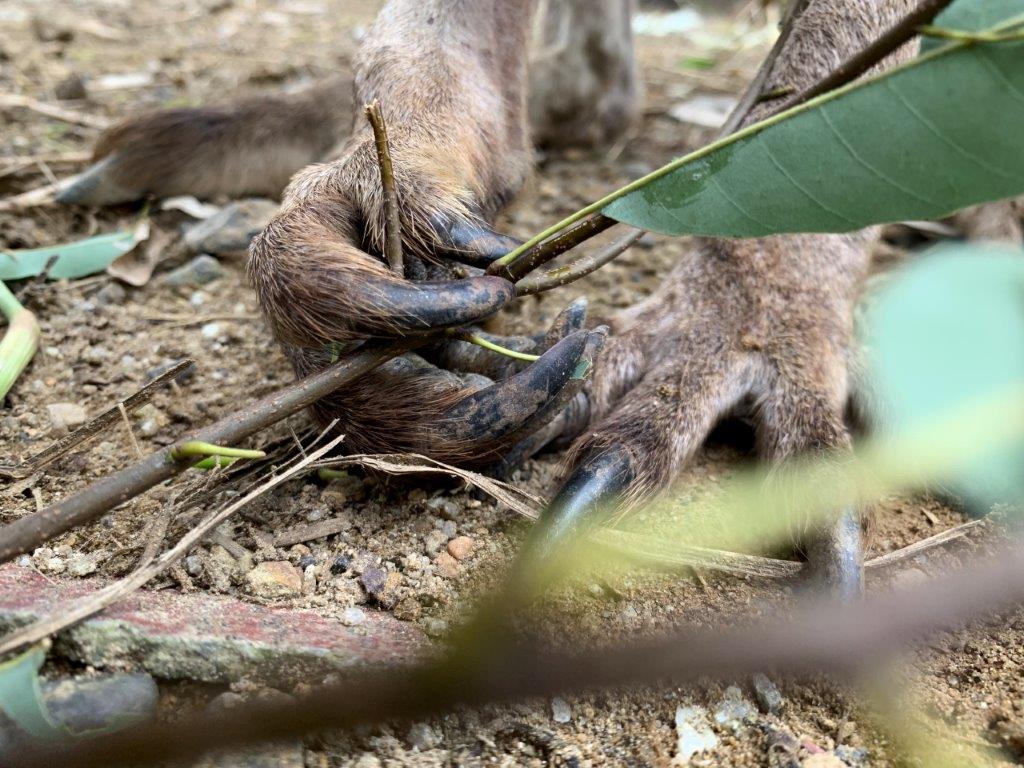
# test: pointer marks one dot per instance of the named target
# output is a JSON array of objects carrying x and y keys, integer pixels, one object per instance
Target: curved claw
[
  {"x": 497, "y": 415},
  {"x": 472, "y": 242},
  {"x": 570, "y": 319},
  {"x": 585, "y": 500},
  {"x": 96, "y": 186},
  {"x": 836, "y": 559},
  {"x": 406, "y": 307}
]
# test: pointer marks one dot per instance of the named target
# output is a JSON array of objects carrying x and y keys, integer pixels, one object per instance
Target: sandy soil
[{"x": 101, "y": 342}]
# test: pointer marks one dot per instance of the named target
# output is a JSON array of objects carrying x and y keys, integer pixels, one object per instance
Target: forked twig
[
  {"x": 581, "y": 267},
  {"x": 392, "y": 221}
]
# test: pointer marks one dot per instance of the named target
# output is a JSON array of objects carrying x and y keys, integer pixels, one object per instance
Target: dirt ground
[{"x": 102, "y": 340}]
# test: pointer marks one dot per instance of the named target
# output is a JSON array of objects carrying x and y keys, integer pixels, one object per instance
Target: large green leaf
[
  {"x": 972, "y": 16},
  {"x": 948, "y": 332},
  {"x": 918, "y": 142}
]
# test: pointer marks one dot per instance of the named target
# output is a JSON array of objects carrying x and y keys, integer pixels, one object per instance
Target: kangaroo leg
[{"x": 251, "y": 147}]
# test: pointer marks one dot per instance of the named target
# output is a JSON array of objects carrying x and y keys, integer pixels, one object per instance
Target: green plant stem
[
  {"x": 964, "y": 36},
  {"x": 480, "y": 341},
  {"x": 20, "y": 342},
  {"x": 198, "y": 448},
  {"x": 331, "y": 474},
  {"x": 213, "y": 462}
]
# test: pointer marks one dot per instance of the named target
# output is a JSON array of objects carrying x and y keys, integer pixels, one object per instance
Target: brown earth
[{"x": 101, "y": 342}]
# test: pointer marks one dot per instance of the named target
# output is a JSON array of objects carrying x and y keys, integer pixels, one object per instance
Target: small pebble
[
  {"x": 212, "y": 331},
  {"x": 194, "y": 565},
  {"x": 461, "y": 547},
  {"x": 306, "y": 561},
  {"x": 422, "y": 737},
  {"x": 560, "y": 710},
  {"x": 111, "y": 294},
  {"x": 768, "y": 696},
  {"x": 447, "y": 565},
  {"x": 71, "y": 88},
  {"x": 693, "y": 733},
  {"x": 373, "y": 580},
  {"x": 275, "y": 579},
  {"x": 341, "y": 564},
  {"x": 202, "y": 270},
  {"x": 82, "y": 565},
  {"x": 66, "y": 416},
  {"x": 444, "y": 507},
  {"x": 433, "y": 542},
  {"x": 353, "y": 616},
  {"x": 734, "y": 711}
]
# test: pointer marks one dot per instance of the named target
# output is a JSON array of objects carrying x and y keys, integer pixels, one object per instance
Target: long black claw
[
  {"x": 406, "y": 307},
  {"x": 472, "y": 242},
  {"x": 836, "y": 559},
  {"x": 499, "y": 414},
  {"x": 570, "y": 319},
  {"x": 590, "y": 494},
  {"x": 96, "y": 186}
]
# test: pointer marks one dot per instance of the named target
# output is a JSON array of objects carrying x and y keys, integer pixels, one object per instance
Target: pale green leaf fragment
[
  {"x": 73, "y": 260},
  {"x": 21, "y": 697}
]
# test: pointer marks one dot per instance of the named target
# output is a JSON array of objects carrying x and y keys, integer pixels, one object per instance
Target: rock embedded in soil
[
  {"x": 65, "y": 417},
  {"x": 768, "y": 696},
  {"x": 274, "y": 580},
  {"x": 693, "y": 733},
  {"x": 560, "y": 710},
  {"x": 202, "y": 270},
  {"x": 373, "y": 580},
  {"x": 734, "y": 711},
  {"x": 447, "y": 565},
  {"x": 232, "y": 228},
  {"x": 422, "y": 737},
  {"x": 461, "y": 547},
  {"x": 433, "y": 542}
]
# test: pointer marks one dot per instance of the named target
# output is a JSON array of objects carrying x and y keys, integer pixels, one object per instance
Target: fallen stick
[
  {"x": 831, "y": 636},
  {"x": 28, "y": 532},
  {"x": 96, "y": 425},
  {"x": 148, "y": 568}
]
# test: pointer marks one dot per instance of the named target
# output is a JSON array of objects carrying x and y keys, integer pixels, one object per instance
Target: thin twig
[
  {"x": 28, "y": 532},
  {"x": 752, "y": 96},
  {"x": 128, "y": 428},
  {"x": 66, "y": 617},
  {"x": 544, "y": 252},
  {"x": 581, "y": 267},
  {"x": 915, "y": 549},
  {"x": 100, "y": 423},
  {"x": 13, "y": 100},
  {"x": 835, "y": 636},
  {"x": 902, "y": 32},
  {"x": 392, "y": 221}
]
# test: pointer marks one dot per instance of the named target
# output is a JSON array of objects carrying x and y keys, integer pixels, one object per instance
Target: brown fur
[
  {"x": 459, "y": 148},
  {"x": 761, "y": 324},
  {"x": 248, "y": 147}
]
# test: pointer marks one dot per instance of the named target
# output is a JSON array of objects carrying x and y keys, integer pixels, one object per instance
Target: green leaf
[
  {"x": 948, "y": 331},
  {"x": 21, "y": 698},
  {"x": 77, "y": 259},
  {"x": 971, "y": 16},
  {"x": 937, "y": 134}
]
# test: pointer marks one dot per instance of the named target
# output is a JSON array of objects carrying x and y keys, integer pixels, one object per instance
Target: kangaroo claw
[
  {"x": 570, "y": 319},
  {"x": 471, "y": 242},
  {"x": 835, "y": 557},
  {"x": 586, "y": 498},
  {"x": 405, "y": 307},
  {"x": 96, "y": 186},
  {"x": 498, "y": 414}
]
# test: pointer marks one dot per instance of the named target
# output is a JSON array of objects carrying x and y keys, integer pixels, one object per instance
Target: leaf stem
[
  {"x": 199, "y": 448},
  {"x": 392, "y": 221},
  {"x": 480, "y": 341},
  {"x": 20, "y": 342}
]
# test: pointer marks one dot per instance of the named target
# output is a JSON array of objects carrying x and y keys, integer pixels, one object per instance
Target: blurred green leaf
[
  {"x": 697, "y": 62},
  {"x": 21, "y": 698},
  {"x": 77, "y": 259},
  {"x": 948, "y": 331}
]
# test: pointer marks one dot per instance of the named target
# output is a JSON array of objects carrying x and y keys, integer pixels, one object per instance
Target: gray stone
[
  {"x": 433, "y": 542},
  {"x": 560, "y": 710},
  {"x": 232, "y": 228},
  {"x": 768, "y": 696},
  {"x": 422, "y": 737},
  {"x": 353, "y": 616},
  {"x": 734, "y": 711},
  {"x": 66, "y": 416},
  {"x": 373, "y": 580},
  {"x": 202, "y": 270},
  {"x": 111, "y": 293}
]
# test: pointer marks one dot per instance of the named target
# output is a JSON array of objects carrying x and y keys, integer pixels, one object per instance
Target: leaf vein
[
  {"x": 872, "y": 169},
  {"x": 729, "y": 199},
  {"x": 807, "y": 194}
]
